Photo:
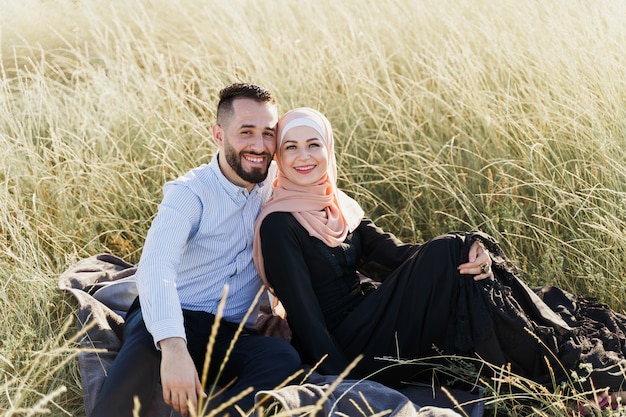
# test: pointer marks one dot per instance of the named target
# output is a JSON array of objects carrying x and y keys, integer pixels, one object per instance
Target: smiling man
[
  {"x": 199, "y": 243},
  {"x": 247, "y": 140}
]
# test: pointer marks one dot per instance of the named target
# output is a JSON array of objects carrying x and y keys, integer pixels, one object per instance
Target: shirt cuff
[{"x": 165, "y": 329}]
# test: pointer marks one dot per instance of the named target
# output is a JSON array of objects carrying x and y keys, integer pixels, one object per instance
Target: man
[{"x": 199, "y": 243}]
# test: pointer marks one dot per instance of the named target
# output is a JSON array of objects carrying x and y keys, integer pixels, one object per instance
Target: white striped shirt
[{"x": 199, "y": 241}]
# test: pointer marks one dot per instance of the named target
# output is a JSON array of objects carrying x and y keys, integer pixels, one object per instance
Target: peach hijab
[{"x": 322, "y": 209}]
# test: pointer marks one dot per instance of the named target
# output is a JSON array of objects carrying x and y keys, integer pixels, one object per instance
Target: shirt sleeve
[
  {"x": 177, "y": 219},
  {"x": 287, "y": 272}
]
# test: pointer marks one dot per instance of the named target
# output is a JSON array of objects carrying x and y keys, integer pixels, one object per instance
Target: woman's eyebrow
[{"x": 308, "y": 140}]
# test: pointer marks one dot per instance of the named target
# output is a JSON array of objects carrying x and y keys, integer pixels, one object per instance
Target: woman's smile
[{"x": 306, "y": 169}]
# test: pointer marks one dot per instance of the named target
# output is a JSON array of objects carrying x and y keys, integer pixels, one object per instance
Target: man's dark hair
[{"x": 240, "y": 90}]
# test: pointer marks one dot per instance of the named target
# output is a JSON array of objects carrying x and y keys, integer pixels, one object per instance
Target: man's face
[{"x": 247, "y": 142}]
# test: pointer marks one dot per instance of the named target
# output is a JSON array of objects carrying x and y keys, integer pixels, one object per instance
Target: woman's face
[{"x": 303, "y": 155}]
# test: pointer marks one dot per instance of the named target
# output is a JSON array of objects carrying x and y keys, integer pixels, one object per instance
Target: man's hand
[
  {"x": 179, "y": 378},
  {"x": 479, "y": 262}
]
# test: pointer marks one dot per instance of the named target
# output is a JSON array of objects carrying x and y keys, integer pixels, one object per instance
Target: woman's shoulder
[
  {"x": 278, "y": 216},
  {"x": 278, "y": 220},
  {"x": 279, "y": 226}
]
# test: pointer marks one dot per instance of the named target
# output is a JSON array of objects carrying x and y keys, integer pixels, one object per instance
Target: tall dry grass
[{"x": 509, "y": 117}]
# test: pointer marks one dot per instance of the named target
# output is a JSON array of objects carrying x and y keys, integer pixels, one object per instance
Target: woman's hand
[{"x": 479, "y": 262}]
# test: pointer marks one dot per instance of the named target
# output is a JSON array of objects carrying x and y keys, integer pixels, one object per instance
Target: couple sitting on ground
[{"x": 241, "y": 222}]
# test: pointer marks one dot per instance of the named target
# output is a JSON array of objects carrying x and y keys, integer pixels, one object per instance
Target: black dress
[{"x": 424, "y": 308}]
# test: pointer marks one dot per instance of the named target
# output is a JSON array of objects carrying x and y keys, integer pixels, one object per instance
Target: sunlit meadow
[{"x": 507, "y": 116}]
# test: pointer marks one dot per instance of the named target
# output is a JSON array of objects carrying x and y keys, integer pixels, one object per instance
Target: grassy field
[{"x": 507, "y": 116}]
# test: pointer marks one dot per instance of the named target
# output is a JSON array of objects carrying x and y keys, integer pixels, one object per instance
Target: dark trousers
[{"x": 256, "y": 361}]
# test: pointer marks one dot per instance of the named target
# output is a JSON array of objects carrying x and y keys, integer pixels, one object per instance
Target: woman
[{"x": 455, "y": 294}]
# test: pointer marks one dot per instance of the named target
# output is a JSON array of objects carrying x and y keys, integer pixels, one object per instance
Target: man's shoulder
[
  {"x": 198, "y": 179},
  {"x": 198, "y": 173},
  {"x": 272, "y": 171},
  {"x": 265, "y": 187}
]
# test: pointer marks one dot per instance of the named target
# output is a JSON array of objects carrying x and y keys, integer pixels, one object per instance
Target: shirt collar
[{"x": 233, "y": 190}]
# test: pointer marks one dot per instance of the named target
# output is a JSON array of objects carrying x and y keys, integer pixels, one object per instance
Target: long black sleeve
[
  {"x": 382, "y": 252},
  {"x": 287, "y": 256}
]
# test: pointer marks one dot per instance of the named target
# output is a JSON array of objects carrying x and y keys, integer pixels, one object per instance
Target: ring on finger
[{"x": 485, "y": 268}]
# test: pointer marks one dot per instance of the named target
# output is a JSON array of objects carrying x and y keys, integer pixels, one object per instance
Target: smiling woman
[{"x": 457, "y": 294}]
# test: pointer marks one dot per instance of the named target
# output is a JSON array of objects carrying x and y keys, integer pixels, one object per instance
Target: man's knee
[
  {"x": 281, "y": 356},
  {"x": 136, "y": 335}
]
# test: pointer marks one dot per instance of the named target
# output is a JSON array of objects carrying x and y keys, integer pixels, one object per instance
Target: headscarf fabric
[{"x": 325, "y": 212}]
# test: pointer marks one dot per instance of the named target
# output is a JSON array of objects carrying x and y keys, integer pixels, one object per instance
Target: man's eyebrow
[{"x": 250, "y": 126}]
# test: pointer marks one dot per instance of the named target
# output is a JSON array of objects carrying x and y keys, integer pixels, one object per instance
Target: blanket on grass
[{"x": 104, "y": 288}]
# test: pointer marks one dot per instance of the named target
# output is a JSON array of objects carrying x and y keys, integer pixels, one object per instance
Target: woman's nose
[{"x": 303, "y": 153}]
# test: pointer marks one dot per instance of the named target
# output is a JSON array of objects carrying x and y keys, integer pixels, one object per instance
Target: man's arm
[{"x": 177, "y": 219}]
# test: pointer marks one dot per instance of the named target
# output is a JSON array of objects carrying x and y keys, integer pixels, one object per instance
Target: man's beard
[{"x": 254, "y": 176}]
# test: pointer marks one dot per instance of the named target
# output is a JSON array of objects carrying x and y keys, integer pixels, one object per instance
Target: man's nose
[{"x": 258, "y": 143}]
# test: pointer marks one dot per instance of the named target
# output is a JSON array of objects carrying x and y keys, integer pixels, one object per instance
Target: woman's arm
[
  {"x": 382, "y": 252},
  {"x": 282, "y": 244}
]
